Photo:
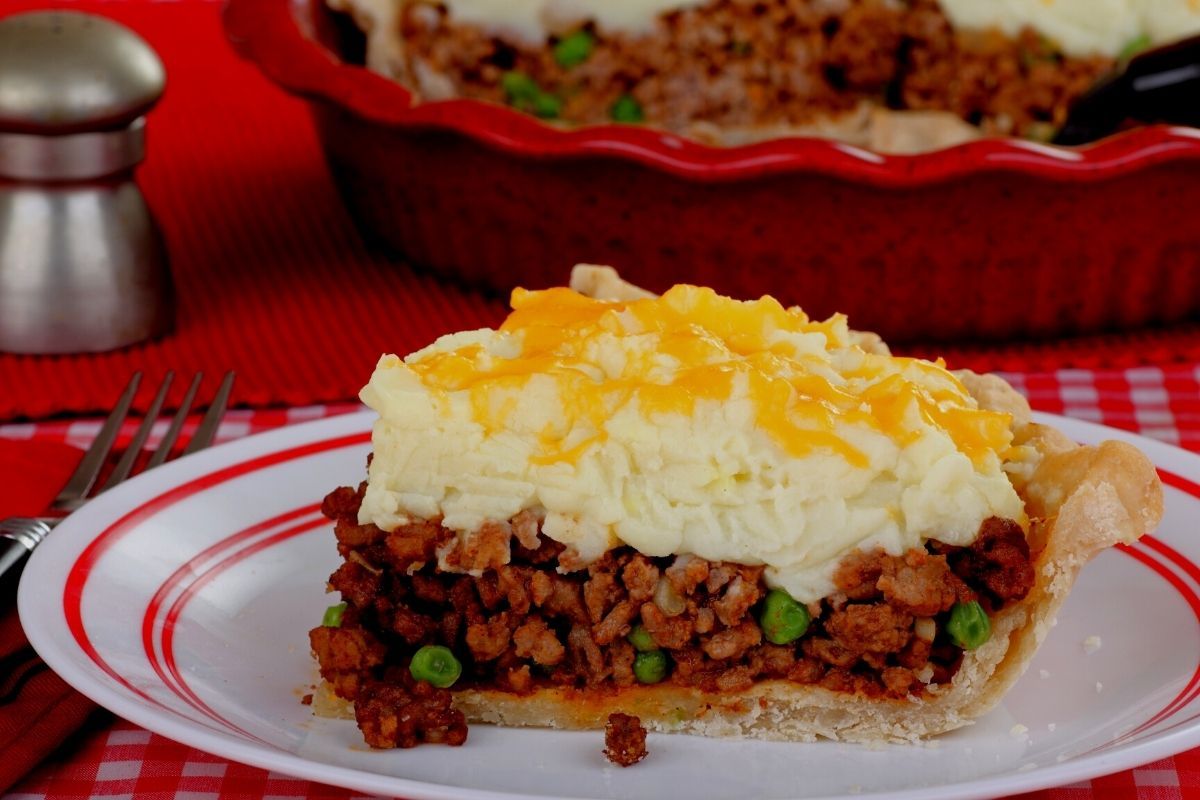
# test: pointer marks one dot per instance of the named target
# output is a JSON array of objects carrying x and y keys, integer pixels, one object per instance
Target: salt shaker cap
[{"x": 69, "y": 72}]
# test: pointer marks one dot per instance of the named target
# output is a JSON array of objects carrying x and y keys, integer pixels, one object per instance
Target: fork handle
[{"x": 18, "y": 537}]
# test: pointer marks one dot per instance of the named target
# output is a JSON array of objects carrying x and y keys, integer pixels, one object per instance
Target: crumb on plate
[{"x": 624, "y": 740}]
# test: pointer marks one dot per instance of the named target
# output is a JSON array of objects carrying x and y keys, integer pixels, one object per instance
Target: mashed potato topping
[
  {"x": 689, "y": 423},
  {"x": 1080, "y": 27}
]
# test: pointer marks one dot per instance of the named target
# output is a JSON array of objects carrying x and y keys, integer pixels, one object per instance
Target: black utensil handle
[
  {"x": 1159, "y": 85},
  {"x": 17, "y": 540}
]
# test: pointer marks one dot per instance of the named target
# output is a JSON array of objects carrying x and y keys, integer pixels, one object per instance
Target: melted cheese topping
[
  {"x": 690, "y": 423},
  {"x": 1080, "y": 27}
]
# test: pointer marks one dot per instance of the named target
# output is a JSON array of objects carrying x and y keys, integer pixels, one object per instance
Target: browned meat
[
  {"x": 718, "y": 576},
  {"x": 586, "y": 654},
  {"x": 828, "y": 651},
  {"x": 738, "y": 64},
  {"x": 391, "y": 716},
  {"x": 616, "y": 624},
  {"x": 519, "y": 680},
  {"x": 732, "y": 643},
  {"x": 350, "y": 534},
  {"x": 620, "y": 657},
  {"x": 411, "y": 626},
  {"x": 735, "y": 679},
  {"x": 345, "y": 649},
  {"x": 487, "y": 586},
  {"x": 465, "y": 600},
  {"x": 1007, "y": 85},
  {"x": 547, "y": 551},
  {"x": 490, "y": 639},
  {"x": 514, "y": 583},
  {"x": 525, "y": 529},
  {"x": 775, "y": 661},
  {"x": 566, "y": 600},
  {"x": 874, "y": 628},
  {"x": 624, "y": 740},
  {"x": 600, "y": 594},
  {"x": 673, "y": 633},
  {"x": 524, "y": 624},
  {"x": 806, "y": 670},
  {"x": 343, "y": 502},
  {"x": 414, "y": 544},
  {"x": 429, "y": 588},
  {"x": 915, "y": 654},
  {"x": 535, "y": 640},
  {"x": 897, "y": 680},
  {"x": 686, "y": 573},
  {"x": 999, "y": 560},
  {"x": 487, "y": 548},
  {"x": 738, "y": 597},
  {"x": 540, "y": 588},
  {"x": 640, "y": 577},
  {"x": 358, "y": 585},
  {"x": 345, "y": 656},
  {"x": 858, "y": 573},
  {"x": 921, "y": 585},
  {"x": 862, "y": 53}
]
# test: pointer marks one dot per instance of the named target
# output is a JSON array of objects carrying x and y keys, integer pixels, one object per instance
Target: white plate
[{"x": 182, "y": 600}]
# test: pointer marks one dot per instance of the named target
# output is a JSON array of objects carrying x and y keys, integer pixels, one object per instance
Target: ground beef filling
[
  {"x": 521, "y": 625},
  {"x": 742, "y": 64}
]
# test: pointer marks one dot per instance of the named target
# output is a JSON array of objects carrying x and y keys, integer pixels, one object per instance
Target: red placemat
[
  {"x": 123, "y": 760},
  {"x": 273, "y": 280}
]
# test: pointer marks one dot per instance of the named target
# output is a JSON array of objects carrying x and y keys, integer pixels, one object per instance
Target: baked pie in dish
[{"x": 891, "y": 75}]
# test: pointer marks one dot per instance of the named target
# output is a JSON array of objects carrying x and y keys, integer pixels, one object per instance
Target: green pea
[
  {"x": 783, "y": 620},
  {"x": 523, "y": 93},
  {"x": 641, "y": 639},
  {"x": 546, "y": 106},
  {"x": 1134, "y": 46},
  {"x": 968, "y": 626},
  {"x": 626, "y": 109},
  {"x": 574, "y": 49},
  {"x": 650, "y": 667},
  {"x": 435, "y": 664},
  {"x": 333, "y": 616},
  {"x": 519, "y": 87}
]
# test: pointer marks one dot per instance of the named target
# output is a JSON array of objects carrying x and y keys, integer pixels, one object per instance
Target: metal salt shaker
[{"x": 82, "y": 265}]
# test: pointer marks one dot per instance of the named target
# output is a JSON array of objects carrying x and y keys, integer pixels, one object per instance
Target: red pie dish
[{"x": 993, "y": 239}]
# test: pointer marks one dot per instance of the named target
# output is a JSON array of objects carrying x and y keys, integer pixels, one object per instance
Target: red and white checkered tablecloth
[{"x": 119, "y": 759}]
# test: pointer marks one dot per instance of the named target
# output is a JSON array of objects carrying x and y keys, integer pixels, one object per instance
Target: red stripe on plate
[
  {"x": 1179, "y": 482},
  {"x": 85, "y": 563},
  {"x": 189, "y": 571},
  {"x": 82, "y": 568},
  {"x": 1192, "y": 689},
  {"x": 182, "y": 689}
]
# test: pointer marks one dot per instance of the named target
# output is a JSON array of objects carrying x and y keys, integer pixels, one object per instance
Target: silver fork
[{"x": 20, "y": 535}]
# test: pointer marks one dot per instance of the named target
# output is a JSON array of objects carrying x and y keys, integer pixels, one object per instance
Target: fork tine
[
  {"x": 121, "y": 471},
  {"x": 212, "y": 418},
  {"x": 172, "y": 435},
  {"x": 93, "y": 460}
]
